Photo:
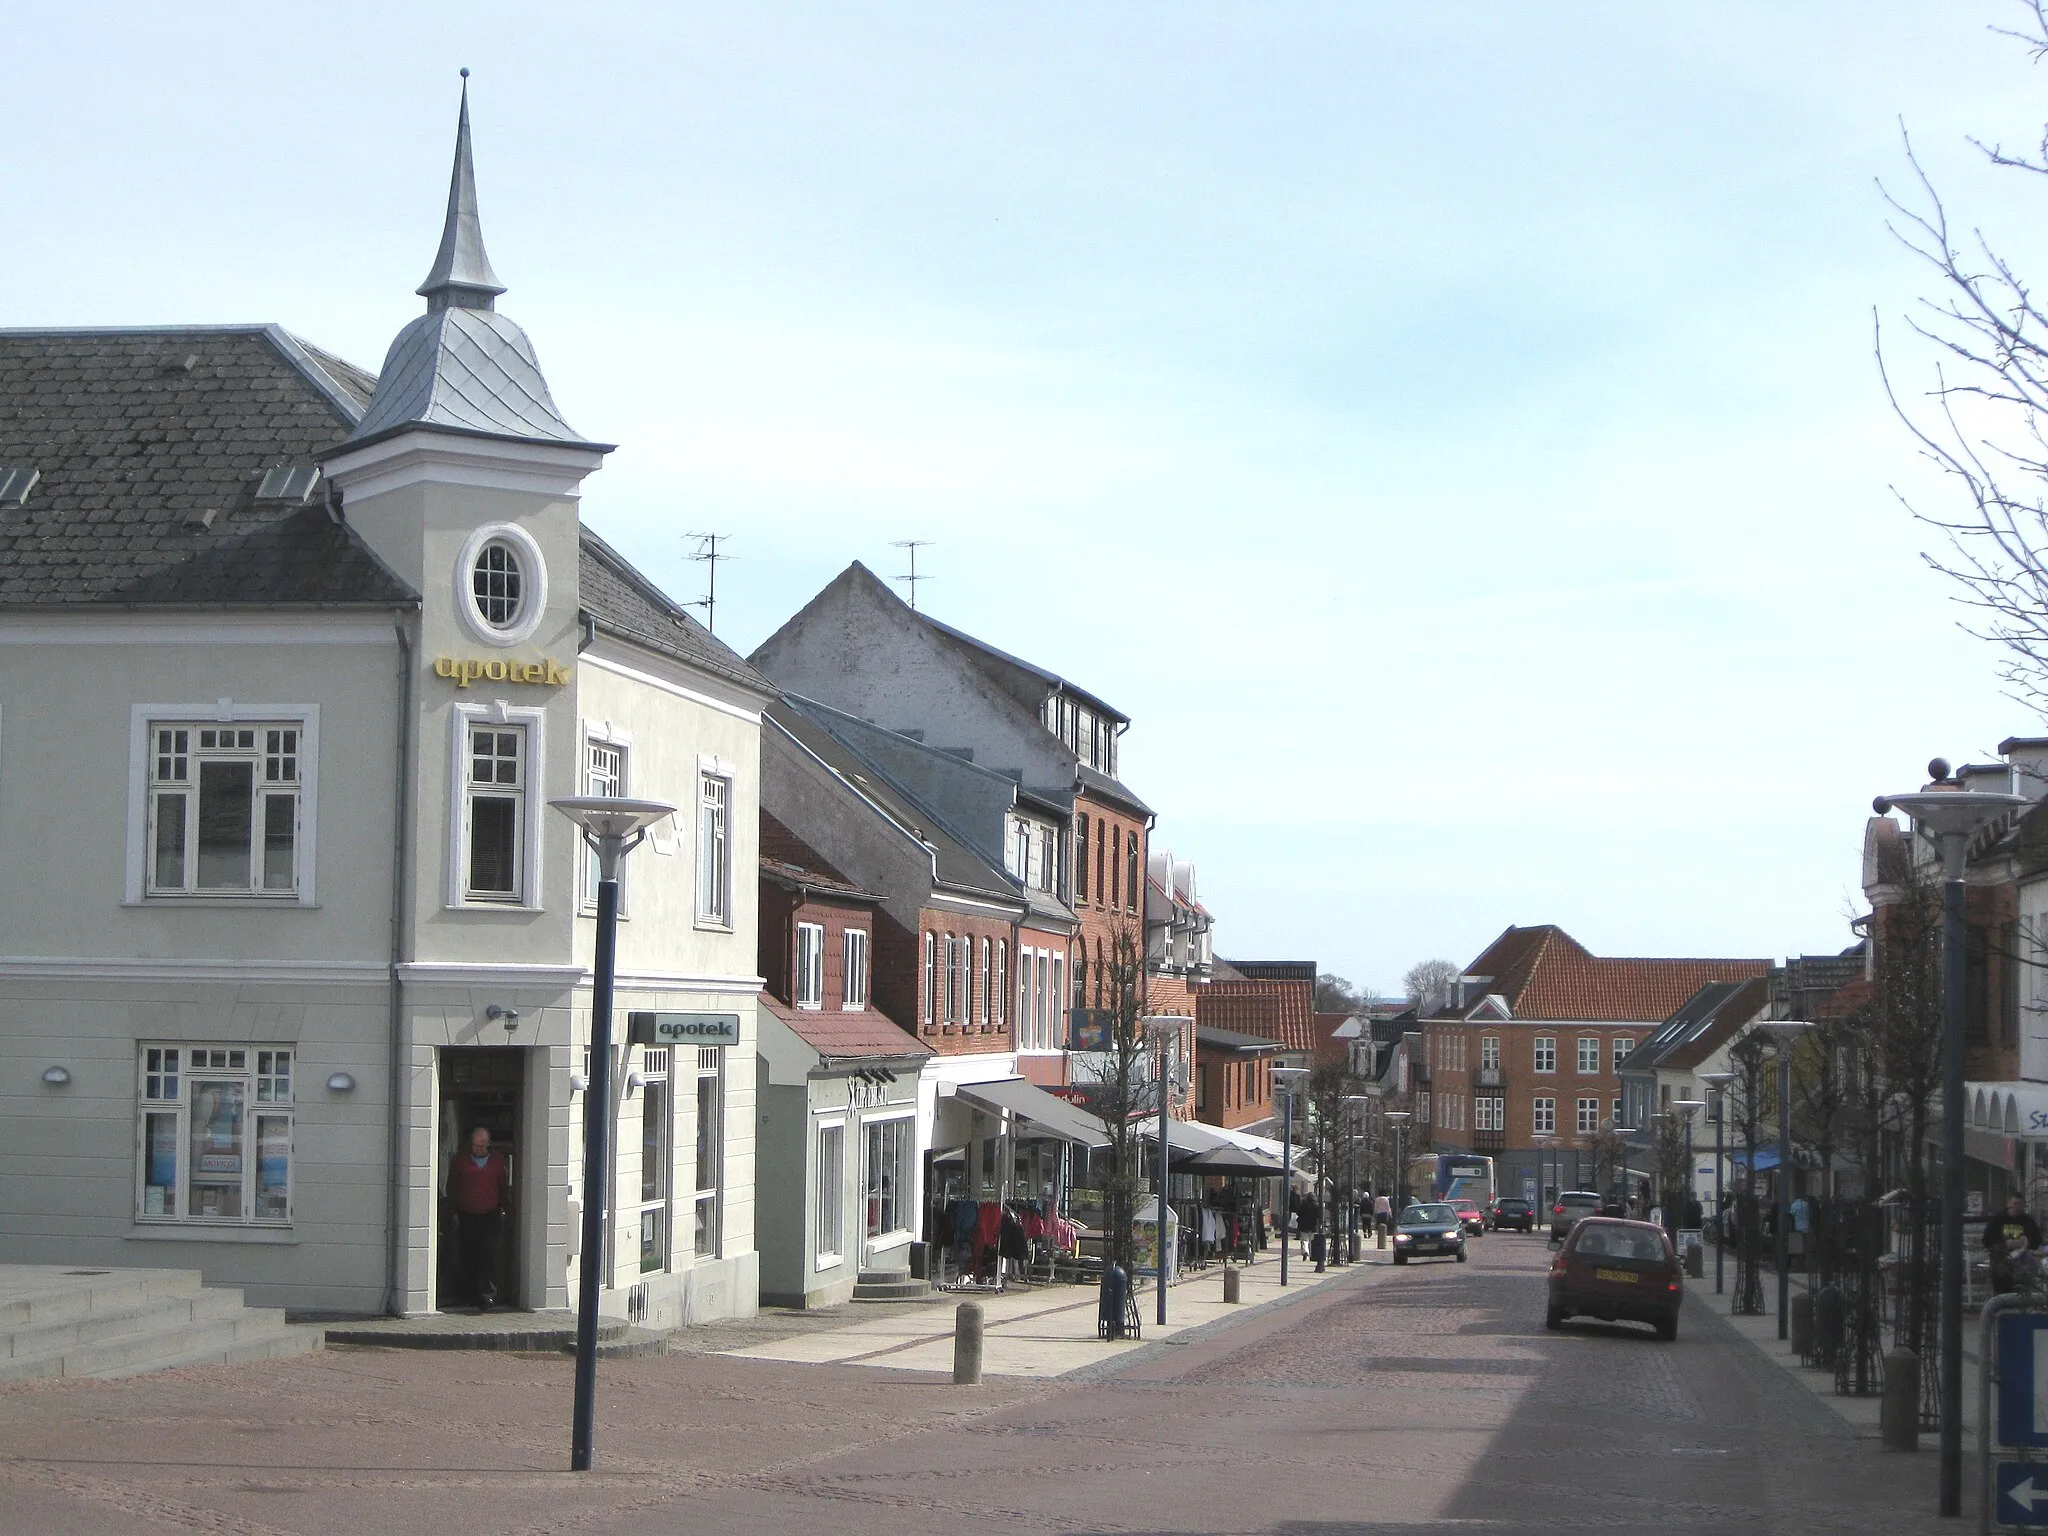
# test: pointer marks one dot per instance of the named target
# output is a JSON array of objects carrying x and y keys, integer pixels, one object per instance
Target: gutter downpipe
[{"x": 394, "y": 1246}]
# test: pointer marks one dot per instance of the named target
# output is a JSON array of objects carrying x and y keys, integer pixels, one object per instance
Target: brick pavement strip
[{"x": 1382, "y": 1400}]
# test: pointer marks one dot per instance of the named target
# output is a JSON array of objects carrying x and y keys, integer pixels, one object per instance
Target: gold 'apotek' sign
[{"x": 464, "y": 670}]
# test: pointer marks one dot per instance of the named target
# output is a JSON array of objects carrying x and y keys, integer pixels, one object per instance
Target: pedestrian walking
[
  {"x": 2006, "y": 1236},
  {"x": 1382, "y": 1213},
  {"x": 480, "y": 1189}
]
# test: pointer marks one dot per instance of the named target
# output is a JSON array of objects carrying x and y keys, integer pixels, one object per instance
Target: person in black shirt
[{"x": 2007, "y": 1235}]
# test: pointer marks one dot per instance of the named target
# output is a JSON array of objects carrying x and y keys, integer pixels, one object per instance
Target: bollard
[
  {"x": 1696, "y": 1261},
  {"x": 1829, "y": 1324},
  {"x": 1898, "y": 1413},
  {"x": 1379, "y": 1237},
  {"x": 967, "y": 1345},
  {"x": 1354, "y": 1246},
  {"x": 1230, "y": 1287},
  {"x": 1802, "y": 1325}
]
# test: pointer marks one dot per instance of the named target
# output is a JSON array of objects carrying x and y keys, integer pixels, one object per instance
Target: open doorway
[{"x": 479, "y": 1087}]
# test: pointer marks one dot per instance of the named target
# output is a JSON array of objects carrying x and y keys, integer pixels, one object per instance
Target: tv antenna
[
  {"x": 912, "y": 578},
  {"x": 707, "y": 553}
]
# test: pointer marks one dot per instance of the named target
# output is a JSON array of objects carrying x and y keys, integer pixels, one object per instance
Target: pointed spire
[{"x": 462, "y": 277}]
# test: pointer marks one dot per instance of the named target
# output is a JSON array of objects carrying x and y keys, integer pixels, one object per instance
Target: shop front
[{"x": 999, "y": 1179}]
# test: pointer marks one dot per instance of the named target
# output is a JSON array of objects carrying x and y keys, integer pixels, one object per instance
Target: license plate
[{"x": 1623, "y": 1276}]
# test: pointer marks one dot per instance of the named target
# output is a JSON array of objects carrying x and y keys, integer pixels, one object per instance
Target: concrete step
[
  {"x": 889, "y": 1285},
  {"x": 155, "y": 1315},
  {"x": 542, "y": 1332},
  {"x": 245, "y": 1333},
  {"x": 48, "y": 1293},
  {"x": 632, "y": 1344}
]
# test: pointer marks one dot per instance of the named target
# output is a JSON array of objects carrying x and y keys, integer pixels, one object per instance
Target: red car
[{"x": 1617, "y": 1271}]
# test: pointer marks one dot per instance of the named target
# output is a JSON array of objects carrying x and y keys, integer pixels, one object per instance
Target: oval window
[{"x": 497, "y": 584}]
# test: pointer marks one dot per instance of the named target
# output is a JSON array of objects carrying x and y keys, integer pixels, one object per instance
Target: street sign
[
  {"x": 2023, "y": 1380},
  {"x": 2022, "y": 1493},
  {"x": 683, "y": 1028}
]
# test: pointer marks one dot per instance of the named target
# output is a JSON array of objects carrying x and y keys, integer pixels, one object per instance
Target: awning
[
  {"x": 1184, "y": 1138},
  {"x": 1032, "y": 1104},
  {"x": 2013, "y": 1108},
  {"x": 1766, "y": 1157},
  {"x": 1234, "y": 1162}
]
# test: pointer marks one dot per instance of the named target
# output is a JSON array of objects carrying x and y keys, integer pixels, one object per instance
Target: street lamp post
[
  {"x": 1624, "y": 1132},
  {"x": 1784, "y": 1032},
  {"x": 1159, "y": 1030},
  {"x": 1688, "y": 1108},
  {"x": 1544, "y": 1140},
  {"x": 1717, "y": 1083},
  {"x": 612, "y": 827},
  {"x": 1399, "y": 1118},
  {"x": 1286, "y": 1077},
  {"x": 1948, "y": 816}
]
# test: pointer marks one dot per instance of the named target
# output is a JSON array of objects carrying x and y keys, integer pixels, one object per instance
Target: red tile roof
[
  {"x": 1329, "y": 1050},
  {"x": 866, "y": 1033},
  {"x": 787, "y": 857},
  {"x": 1272, "y": 1010},
  {"x": 1544, "y": 973}
]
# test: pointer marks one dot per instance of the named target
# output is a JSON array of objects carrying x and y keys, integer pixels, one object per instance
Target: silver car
[{"x": 1567, "y": 1210}]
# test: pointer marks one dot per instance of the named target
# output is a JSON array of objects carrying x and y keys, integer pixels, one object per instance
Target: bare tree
[
  {"x": 1334, "y": 994},
  {"x": 1432, "y": 984},
  {"x": 1120, "y": 1090},
  {"x": 1983, "y": 422}
]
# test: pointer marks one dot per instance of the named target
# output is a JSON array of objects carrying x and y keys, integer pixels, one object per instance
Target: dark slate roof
[
  {"x": 1209, "y": 1037},
  {"x": 1101, "y": 784},
  {"x": 137, "y": 433},
  {"x": 627, "y": 604},
  {"x": 1701, "y": 1024},
  {"x": 958, "y": 867}
]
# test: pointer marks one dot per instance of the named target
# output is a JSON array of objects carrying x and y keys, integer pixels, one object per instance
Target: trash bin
[
  {"x": 919, "y": 1265},
  {"x": 1111, "y": 1304},
  {"x": 1315, "y": 1248}
]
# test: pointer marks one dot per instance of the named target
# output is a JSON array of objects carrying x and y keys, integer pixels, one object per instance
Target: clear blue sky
[{"x": 1449, "y": 431}]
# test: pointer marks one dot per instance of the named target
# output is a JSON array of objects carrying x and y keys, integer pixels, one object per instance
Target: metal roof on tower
[{"x": 462, "y": 366}]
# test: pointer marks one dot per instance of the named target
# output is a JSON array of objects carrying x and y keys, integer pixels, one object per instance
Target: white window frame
[
  {"x": 533, "y": 578},
  {"x": 1489, "y": 1053},
  {"x": 718, "y": 914},
  {"x": 158, "y": 1097},
  {"x": 1543, "y": 1116},
  {"x": 905, "y": 1177},
  {"x": 857, "y": 947},
  {"x": 1489, "y": 1113},
  {"x": 1589, "y": 1050},
  {"x": 809, "y": 988},
  {"x": 602, "y": 738},
  {"x": 305, "y": 718},
  {"x": 999, "y": 989},
  {"x": 1545, "y": 1047},
  {"x": 710, "y": 1065},
  {"x": 1624, "y": 1046},
  {"x": 657, "y": 1071},
  {"x": 533, "y": 722},
  {"x": 828, "y": 1194},
  {"x": 1586, "y": 1112},
  {"x": 931, "y": 978}
]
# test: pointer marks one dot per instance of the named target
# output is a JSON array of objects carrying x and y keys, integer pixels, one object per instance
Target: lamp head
[{"x": 604, "y": 817}]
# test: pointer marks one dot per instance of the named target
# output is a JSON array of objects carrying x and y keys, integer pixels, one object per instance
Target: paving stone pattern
[{"x": 1393, "y": 1400}]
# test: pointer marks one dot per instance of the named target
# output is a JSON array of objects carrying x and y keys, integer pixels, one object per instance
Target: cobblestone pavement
[{"x": 1395, "y": 1400}]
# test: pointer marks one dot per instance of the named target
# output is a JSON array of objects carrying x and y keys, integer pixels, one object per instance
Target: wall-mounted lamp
[
  {"x": 509, "y": 1017},
  {"x": 635, "y": 1082},
  {"x": 56, "y": 1077},
  {"x": 578, "y": 1082},
  {"x": 340, "y": 1082}
]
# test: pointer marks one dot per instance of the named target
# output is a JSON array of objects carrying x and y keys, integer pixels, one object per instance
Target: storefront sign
[
  {"x": 683, "y": 1028},
  {"x": 464, "y": 670}
]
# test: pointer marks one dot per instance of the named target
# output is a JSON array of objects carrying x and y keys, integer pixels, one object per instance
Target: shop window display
[{"x": 216, "y": 1134}]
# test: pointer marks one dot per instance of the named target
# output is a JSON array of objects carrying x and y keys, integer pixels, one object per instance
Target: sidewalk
[{"x": 1047, "y": 1332}]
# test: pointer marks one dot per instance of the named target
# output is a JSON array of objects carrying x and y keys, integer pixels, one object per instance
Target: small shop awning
[
  {"x": 2014, "y": 1108},
  {"x": 1048, "y": 1114},
  {"x": 1766, "y": 1157}
]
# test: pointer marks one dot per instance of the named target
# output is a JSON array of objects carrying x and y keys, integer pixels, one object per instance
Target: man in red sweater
[{"x": 480, "y": 1189}]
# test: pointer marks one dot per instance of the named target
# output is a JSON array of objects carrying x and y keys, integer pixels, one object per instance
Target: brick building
[{"x": 1523, "y": 1064}]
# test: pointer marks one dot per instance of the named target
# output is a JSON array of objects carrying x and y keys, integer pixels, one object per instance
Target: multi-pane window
[
  {"x": 497, "y": 584},
  {"x": 1105, "y": 836},
  {"x": 1081, "y": 857},
  {"x": 931, "y": 977},
  {"x": 1589, "y": 1053},
  {"x": 829, "y": 1218},
  {"x": 604, "y": 773},
  {"x": 710, "y": 1146},
  {"x": 1489, "y": 1114},
  {"x": 216, "y": 1139},
  {"x": 655, "y": 1159},
  {"x": 810, "y": 965},
  {"x": 1543, "y": 1119},
  {"x": 1622, "y": 1046},
  {"x": 885, "y": 1178},
  {"x": 1116, "y": 889},
  {"x": 1546, "y": 1053},
  {"x": 963, "y": 979},
  {"x": 224, "y": 810},
  {"x": 855, "y": 992},
  {"x": 1055, "y": 1003},
  {"x": 950, "y": 980},
  {"x": 495, "y": 813},
  {"x": 1617, "y": 1113},
  {"x": 1131, "y": 874},
  {"x": 1588, "y": 1116},
  {"x": 999, "y": 986},
  {"x": 714, "y": 849},
  {"x": 1489, "y": 1056},
  {"x": 991, "y": 1010}
]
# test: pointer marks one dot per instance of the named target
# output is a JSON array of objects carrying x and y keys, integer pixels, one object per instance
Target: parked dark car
[
  {"x": 1617, "y": 1271},
  {"x": 1511, "y": 1213},
  {"x": 1571, "y": 1207},
  {"x": 1429, "y": 1229}
]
